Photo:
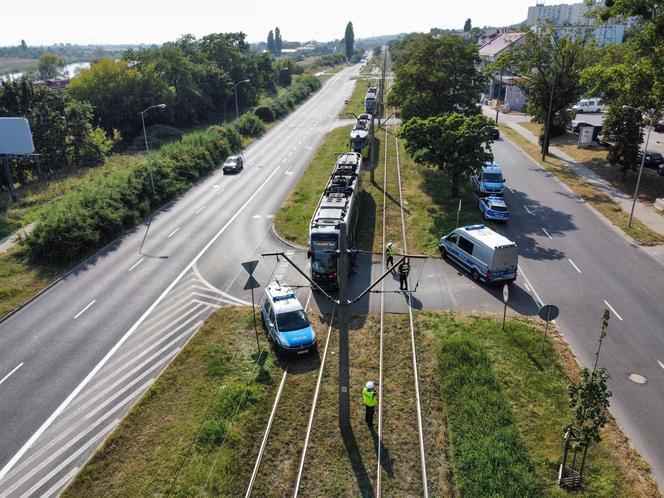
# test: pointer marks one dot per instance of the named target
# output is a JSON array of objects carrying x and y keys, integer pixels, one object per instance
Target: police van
[
  {"x": 287, "y": 325},
  {"x": 490, "y": 180},
  {"x": 487, "y": 255}
]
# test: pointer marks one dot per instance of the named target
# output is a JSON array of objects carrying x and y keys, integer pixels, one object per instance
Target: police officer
[
  {"x": 370, "y": 398},
  {"x": 404, "y": 270},
  {"x": 389, "y": 250}
]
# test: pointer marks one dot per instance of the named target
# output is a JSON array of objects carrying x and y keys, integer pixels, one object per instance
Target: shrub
[
  {"x": 158, "y": 135},
  {"x": 250, "y": 125},
  {"x": 265, "y": 112}
]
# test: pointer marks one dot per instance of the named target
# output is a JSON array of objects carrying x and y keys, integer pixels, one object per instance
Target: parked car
[
  {"x": 487, "y": 255},
  {"x": 287, "y": 324},
  {"x": 660, "y": 169},
  {"x": 495, "y": 133},
  {"x": 233, "y": 164},
  {"x": 659, "y": 126},
  {"x": 489, "y": 181},
  {"x": 493, "y": 208},
  {"x": 653, "y": 159},
  {"x": 593, "y": 104},
  {"x": 576, "y": 124}
]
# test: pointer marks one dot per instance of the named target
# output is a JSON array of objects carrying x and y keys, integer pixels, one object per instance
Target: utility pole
[
  {"x": 547, "y": 127},
  {"x": 344, "y": 355}
]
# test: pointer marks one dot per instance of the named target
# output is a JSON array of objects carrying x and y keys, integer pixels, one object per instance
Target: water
[{"x": 72, "y": 68}]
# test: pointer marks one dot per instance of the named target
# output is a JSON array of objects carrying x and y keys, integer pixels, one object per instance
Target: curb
[{"x": 286, "y": 242}]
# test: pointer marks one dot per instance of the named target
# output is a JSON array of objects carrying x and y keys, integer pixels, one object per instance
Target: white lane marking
[
  {"x": 614, "y": 311},
  {"x": 221, "y": 191},
  {"x": 173, "y": 232},
  {"x": 84, "y": 309},
  {"x": 527, "y": 287},
  {"x": 284, "y": 159},
  {"x": 270, "y": 216},
  {"x": 547, "y": 233},
  {"x": 200, "y": 209},
  {"x": 219, "y": 291},
  {"x": 215, "y": 186},
  {"x": 57, "y": 487},
  {"x": 256, "y": 216},
  {"x": 660, "y": 363},
  {"x": 12, "y": 372},
  {"x": 539, "y": 301},
  {"x": 510, "y": 189},
  {"x": 528, "y": 210},
  {"x": 575, "y": 267},
  {"x": 8, "y": 466},
  {"x": 136, "y": 264},
  {"x": 288, "y": 172}
]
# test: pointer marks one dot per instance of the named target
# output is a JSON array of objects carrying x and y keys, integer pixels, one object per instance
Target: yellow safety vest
[
  {"x": 369, "y": 397},
  {"x": 390, "y": 251}
]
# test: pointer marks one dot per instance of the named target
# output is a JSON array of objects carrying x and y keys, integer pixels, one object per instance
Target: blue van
[{"x": 489, "y": 181}]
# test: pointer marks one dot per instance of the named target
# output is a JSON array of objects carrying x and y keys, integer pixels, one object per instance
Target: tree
[
  {"x": 625, "y": 125},
  {"x": 547, "y": 65},
  {"x": 277, "y": 41},
  {"x": 49, "y": 65},
  {"x": 436, "y": 76},
  {"x": 468, "y": 25},
  {"x": 349, "y": 38},
  {"x": 457, "y": 144},
  {"x": 271, "y": 47}
]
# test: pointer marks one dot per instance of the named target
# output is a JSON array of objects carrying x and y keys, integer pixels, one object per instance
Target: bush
[
  {"x": 158, "y": 135},
  {"x": 250, "y": 125},
  {"x": 265, "y": 113}
]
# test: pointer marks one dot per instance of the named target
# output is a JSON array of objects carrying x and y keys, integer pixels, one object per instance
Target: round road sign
[
  {"x": 506, "y": 293},
  {"x": 548, "y": 312}
]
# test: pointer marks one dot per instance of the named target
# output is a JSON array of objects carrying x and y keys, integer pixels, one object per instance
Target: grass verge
[
  {"x": 194, "y": 400},
  {"x": 356, "y": 102},
  {"x": 601, "y": 202},
  {"x": 482, "y": 366},
  {"x": 292, "y": 220}
]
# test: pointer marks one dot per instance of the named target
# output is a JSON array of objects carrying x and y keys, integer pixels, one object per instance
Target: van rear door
[{"x": 505, "y": 262}]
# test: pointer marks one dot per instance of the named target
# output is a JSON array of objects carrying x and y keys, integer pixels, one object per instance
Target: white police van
[
  {"x": 286, "y": 321},
  {"x": 490, "y": 180},
  {"x": 487, "y": 255}
]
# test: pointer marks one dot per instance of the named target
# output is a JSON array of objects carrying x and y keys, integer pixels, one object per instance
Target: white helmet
[
  {"x": 370, "y": 385},
  {"x": 389, "y": 244}
]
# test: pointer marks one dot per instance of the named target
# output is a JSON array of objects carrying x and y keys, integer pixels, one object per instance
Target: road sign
[
  {"x": 250, "y": 266},
  {"x": 506, "y": 293},
  {"x": 252, "y": 283},
  {"x": 549, "y": 312}
]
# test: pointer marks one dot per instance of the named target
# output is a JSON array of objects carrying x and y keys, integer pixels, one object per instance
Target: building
[
  {"x": 503, "y": 87},
  {"x": 570, "y": 19}
]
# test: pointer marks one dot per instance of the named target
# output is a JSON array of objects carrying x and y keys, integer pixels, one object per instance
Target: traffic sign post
[
  {"x": 506, "y": 296},
  {"x": 547, "y": 312},
  {"x": 458, "y": 212},
  {"x": 252, "y": 284}
]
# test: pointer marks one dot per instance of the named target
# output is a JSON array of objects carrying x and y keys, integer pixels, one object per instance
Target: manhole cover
[{"x": 637, "y": 378}]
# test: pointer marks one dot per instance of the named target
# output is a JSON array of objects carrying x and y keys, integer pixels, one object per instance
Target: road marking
[
  {"x": 83, "y": 310},
  {"x": 539, "y": 301},
  {"x": 284, "y": 160},
  {"x": 8, "y": 466},
  {"x": 547, "y": 233},
  {"x": 270, "y": 216},
  {"x": 221, "y": 191},
  {"x": 575, "y": 267},
  {"x": 215, "y": 186},
  {"x": 200, "y": 209},
  {"x": 11, "y": 373},
  {"x": 136, "y": 264},
  {"x": 528, "y": 210},
  {"x": 57, "y": 487},
  {"x": 288, "y": 173},
  {"x": 510, "y": 189},
  {"x": 173, "y": 233},
  {"x": 614, "y": 311},
  {"x": 256, "y": 216},
  {"x": 660, "y": 363}
]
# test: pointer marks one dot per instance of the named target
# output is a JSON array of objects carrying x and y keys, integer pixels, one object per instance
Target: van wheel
[
  {"x": 475, "y": 276},
  {"x": 443, "y": 252}
]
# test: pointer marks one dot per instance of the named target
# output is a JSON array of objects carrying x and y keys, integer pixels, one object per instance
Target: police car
[
  {"x": 489, "y": 181},
  {"x": 493, "y": 208},
  {"x": 286, "y": 322}
]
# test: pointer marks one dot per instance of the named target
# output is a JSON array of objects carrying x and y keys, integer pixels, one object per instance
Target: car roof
[
  {"x": 492, "y": 168},
  {"x": 232, "y": 158},
  {"x": 283, "y": 298},
  {"x": 496, "y": 201},
  {"x": 486, "y": 235}
]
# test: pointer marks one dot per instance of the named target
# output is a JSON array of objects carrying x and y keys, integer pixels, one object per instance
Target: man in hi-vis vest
[{"x": 370, "y": 399}]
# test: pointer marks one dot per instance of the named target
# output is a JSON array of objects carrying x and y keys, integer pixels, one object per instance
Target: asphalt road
[{"x": 142, "y": 294}]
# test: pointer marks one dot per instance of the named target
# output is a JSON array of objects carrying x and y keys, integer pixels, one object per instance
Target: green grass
[
  {"x": 292, "y": 220},
  {"x": 499, "y": 392},
  {"x": 598, "y": 200},
  {"x": 215, "y": 373},
  {"x": 356, "y": 101}
]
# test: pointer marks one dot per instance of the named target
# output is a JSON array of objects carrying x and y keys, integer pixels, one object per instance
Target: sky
[{"x": 147, "y": 21}]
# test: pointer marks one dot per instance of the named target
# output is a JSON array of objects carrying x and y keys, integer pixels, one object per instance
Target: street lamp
[
  {"x": 643, "y": 160},
  {"x": 145, "y": 135},
  {"x": 237, "y": 111}
]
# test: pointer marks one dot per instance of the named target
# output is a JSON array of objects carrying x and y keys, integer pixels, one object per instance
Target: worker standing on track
[
  {"x": 389, "y": 250},
  {"x": 404, "y": 270},
  {"x": 370, "y": 399}
]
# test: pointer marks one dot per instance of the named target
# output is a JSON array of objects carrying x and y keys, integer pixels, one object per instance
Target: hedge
[{"x": 284, "y": 103}]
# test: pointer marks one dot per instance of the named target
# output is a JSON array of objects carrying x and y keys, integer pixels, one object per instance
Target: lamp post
[
  {"x": 643, "y": 160},
  {"x": 145, "y": 136},
  {"x": 549, "y": 112},
  {"x": 276, "y": 77},
  {"x": 237, "y": 110}
]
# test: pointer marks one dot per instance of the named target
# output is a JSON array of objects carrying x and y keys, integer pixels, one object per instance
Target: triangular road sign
[
  {"x": 250, "y": 266},
  {"x": 252, "y": 283}
]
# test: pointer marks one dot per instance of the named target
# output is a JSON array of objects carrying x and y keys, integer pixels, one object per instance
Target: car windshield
[
  {"x": 492, "y": 177},
  {"x": 656, "y": 156},
  {"x": 230, "y": 161},
  {"x": 501, "y": 209},
  {"x": 323, "y": 259},
  {"x": 292, "y": 320}
]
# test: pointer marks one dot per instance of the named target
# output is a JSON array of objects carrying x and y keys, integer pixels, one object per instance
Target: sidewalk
[{"x": 6, "y": 243}]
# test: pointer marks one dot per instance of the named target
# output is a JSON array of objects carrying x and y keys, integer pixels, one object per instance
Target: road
[{"x": 76, "y": 358}]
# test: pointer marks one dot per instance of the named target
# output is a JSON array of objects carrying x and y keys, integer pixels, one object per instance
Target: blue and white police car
[
  {"x": 493, "y": 208},
  {"x": 286, "y": 321},
  {"x": 489, "y": 181}
]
